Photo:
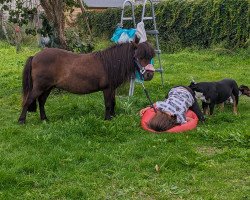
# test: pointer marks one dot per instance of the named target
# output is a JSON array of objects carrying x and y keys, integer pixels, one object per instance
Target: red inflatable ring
[{"x": 191, "y": 123}]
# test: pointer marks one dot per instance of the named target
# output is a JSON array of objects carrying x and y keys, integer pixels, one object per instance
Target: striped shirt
[{"x": 178, "y": 102}]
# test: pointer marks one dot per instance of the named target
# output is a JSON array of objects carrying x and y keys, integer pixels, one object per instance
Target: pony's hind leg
[
  {"x": 31, "y": 97},
  {"x": 42, "y": 99}
]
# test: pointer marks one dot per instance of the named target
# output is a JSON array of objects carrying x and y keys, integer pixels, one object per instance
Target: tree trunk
[
  {"x": 54, "y": 11},
  {"x": 85, "y": 18},
  {"x": 3, "y": 26}
]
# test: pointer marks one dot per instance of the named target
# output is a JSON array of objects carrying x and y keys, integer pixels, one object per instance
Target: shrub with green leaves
[{"x": 201, "y": 23}]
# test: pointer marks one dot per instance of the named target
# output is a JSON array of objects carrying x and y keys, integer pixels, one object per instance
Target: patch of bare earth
[{"x": 208, "y": 151}]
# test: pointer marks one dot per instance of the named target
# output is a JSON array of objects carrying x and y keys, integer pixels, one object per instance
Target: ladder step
[
  {"x": 158, "y": 51},
  {"x": 152, "y": 32},
  {"x": 147, "y": 18},
  {"x": 159, "y": 70},
  {"x": 127, "y": 18}
]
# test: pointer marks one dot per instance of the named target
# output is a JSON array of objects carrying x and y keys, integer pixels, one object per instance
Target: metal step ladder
[
  {"x": 154, "y": 32},
  {"x": 131, "y": 18}
]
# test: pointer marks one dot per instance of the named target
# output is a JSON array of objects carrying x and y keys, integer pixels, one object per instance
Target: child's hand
[
  {"x": 189, "y": 119},
  {"x": 142, "y": 111}
]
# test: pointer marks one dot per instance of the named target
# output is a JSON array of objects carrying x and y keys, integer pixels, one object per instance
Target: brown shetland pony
[{"x": 81, "y": 74}]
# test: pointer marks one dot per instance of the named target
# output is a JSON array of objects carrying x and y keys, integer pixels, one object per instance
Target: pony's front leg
[
  {"x": 42, "y": 99},
  {"x": 109, "y": 100},
  {"x": 112, "y": 111}
]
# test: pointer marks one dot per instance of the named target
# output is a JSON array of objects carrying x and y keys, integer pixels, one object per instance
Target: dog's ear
[
  {"x": 193, "y": 85},
  {"x": 192, "y": 81}
]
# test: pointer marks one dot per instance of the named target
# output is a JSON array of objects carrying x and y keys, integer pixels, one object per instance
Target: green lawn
[{"x": 78, "y": 155}]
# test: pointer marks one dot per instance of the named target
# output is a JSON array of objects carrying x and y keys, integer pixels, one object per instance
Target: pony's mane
[{"x": 118, "y": 61}]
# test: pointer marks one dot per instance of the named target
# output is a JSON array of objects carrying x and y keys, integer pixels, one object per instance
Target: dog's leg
[
  {"x": 211, "y": 108},
  {"x": 235, "y": 96},
  {"x": 205, "y": 108},
  {"x": 221, "y": 106},
  {"x": 235, "y": 110}
]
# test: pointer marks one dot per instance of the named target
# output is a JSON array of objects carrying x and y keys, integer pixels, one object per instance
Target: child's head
[{"x": 162, "y": 121}]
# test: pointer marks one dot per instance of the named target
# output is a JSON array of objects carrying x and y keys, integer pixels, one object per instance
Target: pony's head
[{"x": 144, "y": 53}]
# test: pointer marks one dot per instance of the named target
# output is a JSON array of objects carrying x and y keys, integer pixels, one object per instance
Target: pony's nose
[
  {"x": 150, "y": 67},
  {"x": 148, "y": 75}
]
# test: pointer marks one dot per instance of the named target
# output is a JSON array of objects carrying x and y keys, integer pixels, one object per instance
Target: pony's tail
[{"x": 27, "y": 84}]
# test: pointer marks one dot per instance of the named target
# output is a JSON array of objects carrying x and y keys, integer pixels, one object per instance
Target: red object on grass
[
  {"x": 17, "y": 29},
  {"x": 191, "y": 123}
]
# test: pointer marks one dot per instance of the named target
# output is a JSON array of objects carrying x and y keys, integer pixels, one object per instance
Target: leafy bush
[
  {"x": 78, "y": 44},
  {"x": 202, "y": 23}
]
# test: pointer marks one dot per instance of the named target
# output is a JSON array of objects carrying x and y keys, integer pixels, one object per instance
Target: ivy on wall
[{"x": 184, "y": 23}]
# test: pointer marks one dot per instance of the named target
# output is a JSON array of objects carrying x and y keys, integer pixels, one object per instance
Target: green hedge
[{"x": 184, "y": 23}]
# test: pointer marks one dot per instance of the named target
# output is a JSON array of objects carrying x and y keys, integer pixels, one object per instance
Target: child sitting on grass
[{"x": 172, "y": 111}]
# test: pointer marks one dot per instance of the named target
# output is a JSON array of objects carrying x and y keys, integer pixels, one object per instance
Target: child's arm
[{"x": 142, "y": 111}]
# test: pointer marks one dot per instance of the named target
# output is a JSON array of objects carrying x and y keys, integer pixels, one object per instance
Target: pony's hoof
[
  {"x": 44, "y": 119},
  {"x": 21, "y": 121},
  {"x": 108, "y": 117}
]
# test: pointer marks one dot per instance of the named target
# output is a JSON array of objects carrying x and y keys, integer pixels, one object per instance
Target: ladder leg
[
  {"x": 131, "y": 86},
  {"x": 161, "y": 70},
  {"x": 132, "y": 18},
  {"x": 155, "y": 33}
]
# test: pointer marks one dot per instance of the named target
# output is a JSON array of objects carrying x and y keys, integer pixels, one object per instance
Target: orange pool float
[{"x": 192, "y": 121}]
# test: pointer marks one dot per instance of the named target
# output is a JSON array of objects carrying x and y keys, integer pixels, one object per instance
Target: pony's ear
[
  {"x": 136, "y": 39},
  {"x": 135, "y": 45}
]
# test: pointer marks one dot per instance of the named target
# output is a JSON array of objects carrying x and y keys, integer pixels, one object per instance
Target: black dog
[{"x": 212, "y": 93}]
